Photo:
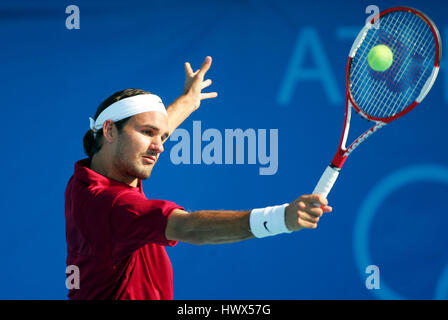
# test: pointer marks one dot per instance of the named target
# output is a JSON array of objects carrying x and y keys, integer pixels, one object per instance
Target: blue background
[{"x": 389, "y": 202}]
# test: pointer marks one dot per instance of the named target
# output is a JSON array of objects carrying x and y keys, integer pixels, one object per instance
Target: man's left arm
[{"x": 191, "y": 98}]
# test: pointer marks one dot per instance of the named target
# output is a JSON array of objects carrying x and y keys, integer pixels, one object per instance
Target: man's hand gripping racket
[{"x": 384, "y": 96}]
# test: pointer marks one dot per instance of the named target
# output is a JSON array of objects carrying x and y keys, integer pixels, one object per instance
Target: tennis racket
[{"x": 383, "y": 97}]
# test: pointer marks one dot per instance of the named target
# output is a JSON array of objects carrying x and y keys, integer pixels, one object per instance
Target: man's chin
[{"x": 145, "y": 173}]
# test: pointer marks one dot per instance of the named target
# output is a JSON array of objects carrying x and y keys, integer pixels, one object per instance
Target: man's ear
[{"x": 109, "y": 131}]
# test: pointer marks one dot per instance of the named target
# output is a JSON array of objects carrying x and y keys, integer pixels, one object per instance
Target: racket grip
[{"x": 326, "y": 182}]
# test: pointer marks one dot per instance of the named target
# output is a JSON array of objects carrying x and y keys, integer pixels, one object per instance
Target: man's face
[{"x": 139, "y": 145}]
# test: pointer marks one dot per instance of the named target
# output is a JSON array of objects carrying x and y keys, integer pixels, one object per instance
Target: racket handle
[{"x": 326, "y": 182}]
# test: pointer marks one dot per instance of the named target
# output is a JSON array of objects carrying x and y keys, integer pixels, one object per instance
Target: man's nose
[{"x": 157, "y": 145}]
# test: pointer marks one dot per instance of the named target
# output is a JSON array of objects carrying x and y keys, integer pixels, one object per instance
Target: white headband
[{"x": 128, "y": 107}]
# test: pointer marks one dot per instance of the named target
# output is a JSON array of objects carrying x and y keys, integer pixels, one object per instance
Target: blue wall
[{"x": 389, "y": 207}]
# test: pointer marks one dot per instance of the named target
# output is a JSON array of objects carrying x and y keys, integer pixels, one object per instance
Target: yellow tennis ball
[{"x": 380, "y": 58}]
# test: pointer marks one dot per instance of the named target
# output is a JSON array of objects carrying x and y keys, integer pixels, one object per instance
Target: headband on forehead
[{"x": 128, "y": 107}]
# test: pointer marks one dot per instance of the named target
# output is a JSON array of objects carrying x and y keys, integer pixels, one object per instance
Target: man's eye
[{"x": 148, "y": 132}]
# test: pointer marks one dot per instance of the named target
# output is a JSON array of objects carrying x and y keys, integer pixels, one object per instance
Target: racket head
[{"x": 416, "y": 46}]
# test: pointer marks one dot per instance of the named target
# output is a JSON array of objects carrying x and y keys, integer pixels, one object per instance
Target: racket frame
[
  {"x": 331, "y": 173},
  {"x": 343, "y": 152}
]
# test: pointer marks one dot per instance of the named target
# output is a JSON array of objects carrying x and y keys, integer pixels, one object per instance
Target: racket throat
[
  {"x": 339, "y": 159},
  {"x": 342, "y": 153}
]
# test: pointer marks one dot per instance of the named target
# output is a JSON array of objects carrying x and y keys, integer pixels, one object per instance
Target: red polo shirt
[{"x": 116, "y": 237}]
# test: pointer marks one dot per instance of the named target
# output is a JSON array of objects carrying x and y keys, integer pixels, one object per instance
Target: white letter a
[
  {"x": 373, "y": 280},
  {"x": 72, "y": 21},
  {"x": 72, "y": 281}
]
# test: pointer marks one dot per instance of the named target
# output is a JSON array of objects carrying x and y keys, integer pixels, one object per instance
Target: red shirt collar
[{"x": 87, "y": 175}]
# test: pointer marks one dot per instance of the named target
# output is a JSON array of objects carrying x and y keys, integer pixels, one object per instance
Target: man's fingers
[
  {"x": 310, "y": 209},
  {"x": 310, "y": 205},
  {"x": 206, "y": 83},
  {"x": 315, "y": 212},
  {"x": 205, "y": 66},
  {"x": 307, "y": 217},
  {"x": 188, "y": 69},
  {"x": 209, "y": 95},
  {"x": 306, "y": 224},
  {"x": 314, "y": 198}
]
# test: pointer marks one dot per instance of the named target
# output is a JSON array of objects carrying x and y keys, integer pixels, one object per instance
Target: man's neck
[{"x": 106, "y": 169}]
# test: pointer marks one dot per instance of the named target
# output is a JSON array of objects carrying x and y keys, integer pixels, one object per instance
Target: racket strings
[
  {"x": 425, "y": 43},
  {"x": 384, "y": 94},
  {"x": 430, "y": 46},
  {"x": 381, "y": 76},
  {"x": 380, "y": 85},
  {"x": 391, "y": 96},
  {"x": 372, "y": 85},
  {"x": 404, "y": 96},
  {"x": 399, "y": 55},
  {"x": 363, "y": 69}
]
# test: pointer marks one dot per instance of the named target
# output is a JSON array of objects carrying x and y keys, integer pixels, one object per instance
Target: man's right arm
[
  {"x": 214, "y": 227},
  {"x": 191, "y": 98}
]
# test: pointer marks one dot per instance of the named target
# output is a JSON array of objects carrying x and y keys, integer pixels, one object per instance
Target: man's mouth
[{"x": 149, "y": 159}]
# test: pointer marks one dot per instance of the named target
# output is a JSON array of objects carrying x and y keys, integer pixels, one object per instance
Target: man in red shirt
[{"x": 115, "y": 235}]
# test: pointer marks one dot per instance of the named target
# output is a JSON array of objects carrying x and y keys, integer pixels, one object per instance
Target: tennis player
[{"x": 115, "y": 234}]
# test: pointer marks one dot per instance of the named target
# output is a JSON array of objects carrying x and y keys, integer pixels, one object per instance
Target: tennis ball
[{"x": 380, "y": 58}]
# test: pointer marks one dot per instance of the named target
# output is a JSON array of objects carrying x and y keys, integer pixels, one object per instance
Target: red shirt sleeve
[{"x": 136, "y": 220}]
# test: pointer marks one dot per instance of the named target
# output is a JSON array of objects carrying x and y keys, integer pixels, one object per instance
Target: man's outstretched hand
[
  {"x": 195, "y": 83},
  {"x": 303, "y": 212}
]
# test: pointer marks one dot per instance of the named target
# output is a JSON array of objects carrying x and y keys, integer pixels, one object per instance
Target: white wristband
[{"x": 268, "y": 221}]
